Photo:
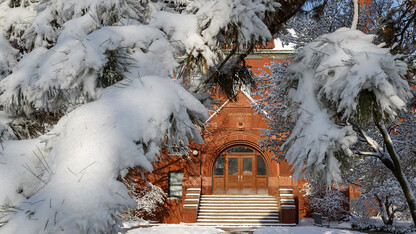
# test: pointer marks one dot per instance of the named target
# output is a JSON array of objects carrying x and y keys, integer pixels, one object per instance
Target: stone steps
[{"x": 238, "y": 210}]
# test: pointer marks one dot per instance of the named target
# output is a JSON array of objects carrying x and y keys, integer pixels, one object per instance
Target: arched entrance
[{"x": 240, "y": 170}]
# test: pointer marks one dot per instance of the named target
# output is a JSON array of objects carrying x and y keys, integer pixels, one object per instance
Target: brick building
[{"x": 230, "y": 180}]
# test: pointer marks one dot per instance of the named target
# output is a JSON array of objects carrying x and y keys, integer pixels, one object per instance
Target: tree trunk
[
  {"x": 397, "y": 170},
  {"x": 383, "y": 209}
]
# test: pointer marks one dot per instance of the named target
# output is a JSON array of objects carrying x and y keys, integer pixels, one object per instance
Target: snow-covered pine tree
[
  {"x": 87, "y": 91},
  {"x": 335, "y": 84},
  {"x": 392, "y": 21}
]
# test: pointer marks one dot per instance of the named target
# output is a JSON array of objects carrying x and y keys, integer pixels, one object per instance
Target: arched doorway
[{"x": 240, "y": 170}]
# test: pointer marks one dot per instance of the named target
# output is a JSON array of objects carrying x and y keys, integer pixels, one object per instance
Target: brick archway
[{"x": 239, "y": 169}]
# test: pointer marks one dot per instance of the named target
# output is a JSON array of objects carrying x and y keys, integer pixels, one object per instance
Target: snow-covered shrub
[
  {"x": 383, "y": 229},
  {"x": 380, "y": 193},
  {"x": 148, "y": 200},
  {"x": 385, "y": 200},
  {"x": 329, "y": 202}
]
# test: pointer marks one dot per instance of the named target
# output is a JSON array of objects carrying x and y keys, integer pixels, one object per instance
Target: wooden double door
[{"x": 240, "y": 173}]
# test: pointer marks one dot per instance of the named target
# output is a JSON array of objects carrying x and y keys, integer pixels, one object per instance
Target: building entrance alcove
[{"x": 240, "y": 170}]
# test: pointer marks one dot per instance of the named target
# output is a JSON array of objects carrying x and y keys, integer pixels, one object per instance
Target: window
[
  {"x": 175, "y": 184},
  {"x": 240, "y": 149},
  {"x": 261, "y": 166},
  {"x": 247, "y": 166},
  {"x": 219, "y": 166},
  {"x": 233, "y": 166}
]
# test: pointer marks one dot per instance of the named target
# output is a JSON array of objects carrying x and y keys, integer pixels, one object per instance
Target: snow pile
[
  {"x": 135, "y": 223},
  {"x": 70, "y": 175},
  {"x": 20, "y": 163},
  {"x": 324, "y": 86},
  {"x": 279, "y": 45}
]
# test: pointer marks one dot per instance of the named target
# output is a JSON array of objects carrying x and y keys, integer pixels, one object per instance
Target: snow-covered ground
[
  {"x": 183, "y": 229},
  {"x": 305, "y": 226},
  {"x": 303, "y": 230},
  {"x": 175, "y": 229}
]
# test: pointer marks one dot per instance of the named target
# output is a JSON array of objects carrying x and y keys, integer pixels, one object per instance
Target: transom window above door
[{"x": 240, "y": 149}]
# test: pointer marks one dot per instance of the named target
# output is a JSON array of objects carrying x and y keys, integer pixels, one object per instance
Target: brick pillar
[
  {"x": 288, "y": 214},
  {"x": 191, "y": 204},
  {"x": 190, "y": 214},
  {"x": 288, "y": 210}
]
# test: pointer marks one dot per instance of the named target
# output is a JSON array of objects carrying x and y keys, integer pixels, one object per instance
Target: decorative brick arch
[
  {"x": 216, "y": 146},
  {"x": 234, "y": 143}
]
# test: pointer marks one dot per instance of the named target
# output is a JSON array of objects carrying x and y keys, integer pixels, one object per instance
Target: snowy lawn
[
  {"x": 305, "y": 226},
  {"x": 182, "y": 229},
  {"x": 175, "y": 229},
  {"x": 303, "y": 230}
]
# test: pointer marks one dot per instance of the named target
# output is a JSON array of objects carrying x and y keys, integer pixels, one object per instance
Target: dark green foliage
[
  {"x": 367, "y": 106},
  {"x": 113, "y": 72}
]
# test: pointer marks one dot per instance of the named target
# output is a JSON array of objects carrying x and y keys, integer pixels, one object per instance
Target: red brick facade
[{"x": 232, "y": 124}]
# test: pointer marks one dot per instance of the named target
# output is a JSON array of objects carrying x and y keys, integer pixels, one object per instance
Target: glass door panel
[
  {"x": 232, "y": 185},
  {"x": 247, "y": 166},
  {"x": 233, "y": 166},
  {"x": 247, "y": 177}
]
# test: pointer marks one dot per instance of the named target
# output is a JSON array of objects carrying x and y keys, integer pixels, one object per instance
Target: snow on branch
[
  {"x": 97, "y": 65},
  {"x": 339, "y": 78},
  {"x": 54, "y": 16},
  {"x": 76, "y": 186},
  {"x": 68, "y": 73}
]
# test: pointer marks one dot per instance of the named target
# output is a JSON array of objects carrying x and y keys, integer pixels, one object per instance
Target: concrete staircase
[
  {"x": 238, "y": 210},
  {"x": 286, "y": 198}
]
